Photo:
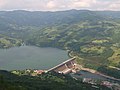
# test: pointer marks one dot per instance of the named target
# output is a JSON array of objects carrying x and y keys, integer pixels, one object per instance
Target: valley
[{"x": 90, "y": 36}]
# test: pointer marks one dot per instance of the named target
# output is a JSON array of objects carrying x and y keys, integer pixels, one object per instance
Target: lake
[{"x": 31, "y": 57}]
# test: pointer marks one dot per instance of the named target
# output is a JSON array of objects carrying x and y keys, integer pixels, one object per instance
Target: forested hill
[
  {"x": 38, "y": 18},
  {"x": 20, "y": 21},
  {"x": 48, "y": 81},
  {"x": 93, "y": 36}
]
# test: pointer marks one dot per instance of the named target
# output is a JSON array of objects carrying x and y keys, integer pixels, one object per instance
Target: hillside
[
  {"x": 48, "y": 81},
  {"x": 92, "y": 36},
  {"x": 8, "y": 42},
  {"x": 95, "y": 43}
]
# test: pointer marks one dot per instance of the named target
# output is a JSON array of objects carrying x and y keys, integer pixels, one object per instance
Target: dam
[{"x": 65, "y": 67}]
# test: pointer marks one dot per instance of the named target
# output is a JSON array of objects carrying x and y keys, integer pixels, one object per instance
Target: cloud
[
  {"x": 2, "y": 3},
  {"x": 54, "y": 5},
  {"x": 79, "y": 4},
  {"x": 114, "y": 6},
  {"x": 51, "y": 5}
]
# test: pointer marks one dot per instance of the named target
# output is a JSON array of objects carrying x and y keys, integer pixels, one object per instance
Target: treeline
[
  {"x": 4, "y": 85},
  {"x": 48, "y": 81}
]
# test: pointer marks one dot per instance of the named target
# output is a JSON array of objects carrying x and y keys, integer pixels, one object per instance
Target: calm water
[
  {"x": 86, "y": 74},
  {"x": 30, "y": 57}
]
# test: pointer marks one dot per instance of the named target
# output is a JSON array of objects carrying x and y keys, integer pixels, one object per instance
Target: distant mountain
[
  {"x": 109, "y": 14},
  {"x": 38, "y": 18},
  {"x": 16, "y": 21}
]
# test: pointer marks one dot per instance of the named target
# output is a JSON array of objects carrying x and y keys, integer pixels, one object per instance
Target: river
[
  {"x": 86, "y": 74},
  {"x": 31, "y": 57}
]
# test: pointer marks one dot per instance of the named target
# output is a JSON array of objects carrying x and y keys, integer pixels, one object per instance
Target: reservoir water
[{"x": 31, "y": 57}]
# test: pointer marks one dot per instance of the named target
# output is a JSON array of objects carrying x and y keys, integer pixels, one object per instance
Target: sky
[{"x": 59, "y": 5}]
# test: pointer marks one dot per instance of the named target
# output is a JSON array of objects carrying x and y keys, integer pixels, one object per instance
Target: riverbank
[{"x": 98, "y": 73}]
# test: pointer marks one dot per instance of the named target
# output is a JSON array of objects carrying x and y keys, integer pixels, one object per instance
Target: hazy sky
[{"x": 55, "y": 5}]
